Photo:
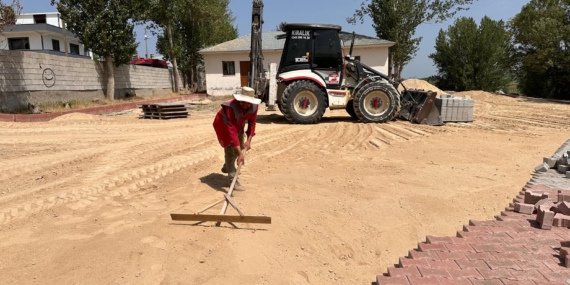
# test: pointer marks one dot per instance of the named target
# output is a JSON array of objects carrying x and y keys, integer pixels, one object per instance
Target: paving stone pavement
[{"x": 510, "y": 250}]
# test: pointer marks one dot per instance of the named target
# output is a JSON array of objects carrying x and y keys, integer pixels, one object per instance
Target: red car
[{"x": 137, "y": 60}]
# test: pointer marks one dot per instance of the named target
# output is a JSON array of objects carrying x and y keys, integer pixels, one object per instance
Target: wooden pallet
[{"x": 164, "y": 111}]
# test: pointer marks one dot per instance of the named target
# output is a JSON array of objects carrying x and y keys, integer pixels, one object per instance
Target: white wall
[
  {"x": 52, "y": 19},
  {"x": 376, "y": 57},
  {"x": 218, "y": 84},
  {"x": 36, "y": 43},
  {"x": 25, "y": 19},
  {"x": 34, "y": 39}
]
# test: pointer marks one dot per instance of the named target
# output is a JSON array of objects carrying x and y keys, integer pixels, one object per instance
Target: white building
[
  {"x": 42, "y": 32},
  {"x": 227, "y": 64}
]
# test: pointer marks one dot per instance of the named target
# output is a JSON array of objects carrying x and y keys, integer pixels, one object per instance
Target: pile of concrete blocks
[
  {"x": 560, "y": 163},
  {"x": 455, "y": 109},
  {"x": 552, "y": 207}
]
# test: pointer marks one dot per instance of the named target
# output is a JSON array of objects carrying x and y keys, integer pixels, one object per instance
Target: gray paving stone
[
  {"x": 550, "y": 161},
  {"x": 563, "y": 168},
  {"x": 542, "y": 167}
]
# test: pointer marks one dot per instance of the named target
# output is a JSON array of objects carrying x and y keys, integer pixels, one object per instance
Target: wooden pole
[
  {"x": 225, "y": 206},
  {"x": 209, "y": 206}
]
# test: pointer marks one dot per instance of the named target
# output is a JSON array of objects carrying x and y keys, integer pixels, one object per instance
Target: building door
[{"x": 244, "y": 68}]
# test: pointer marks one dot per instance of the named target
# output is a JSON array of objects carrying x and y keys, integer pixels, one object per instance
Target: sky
[{"x": 331, "y": 12}]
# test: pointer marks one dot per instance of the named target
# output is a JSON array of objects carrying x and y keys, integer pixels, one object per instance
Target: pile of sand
[
  {"x": 77, "y": 117},
  {"x": 419, "y": 84}
]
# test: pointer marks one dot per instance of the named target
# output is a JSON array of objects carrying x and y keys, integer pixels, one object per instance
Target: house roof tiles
[{"x": 269, "y": 42}]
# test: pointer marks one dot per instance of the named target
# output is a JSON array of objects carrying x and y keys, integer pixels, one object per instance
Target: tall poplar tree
[{"x": 397, "y": 20}]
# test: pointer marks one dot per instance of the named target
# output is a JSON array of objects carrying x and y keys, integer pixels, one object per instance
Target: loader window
[
  {"x": 298, "y": 47},
  {"x": 328, "y": 53}
]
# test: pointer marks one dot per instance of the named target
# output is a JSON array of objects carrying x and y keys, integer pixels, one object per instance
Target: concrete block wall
[{"x": 29, "y": 77}]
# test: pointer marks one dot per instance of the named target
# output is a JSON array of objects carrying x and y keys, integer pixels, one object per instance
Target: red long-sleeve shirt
[{"x": 230, "y": 120}]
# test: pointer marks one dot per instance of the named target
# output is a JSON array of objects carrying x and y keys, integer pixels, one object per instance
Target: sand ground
[{"x": 86, "y": 199}]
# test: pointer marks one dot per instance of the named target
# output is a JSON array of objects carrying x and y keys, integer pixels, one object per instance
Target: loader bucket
[{"x": 418, "y": 106}]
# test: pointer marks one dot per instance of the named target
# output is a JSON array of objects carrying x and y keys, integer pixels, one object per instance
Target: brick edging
[{"x": 93, "y": 110}]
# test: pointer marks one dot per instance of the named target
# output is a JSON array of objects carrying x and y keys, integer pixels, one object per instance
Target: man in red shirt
[{"x": 229, "y": 125}]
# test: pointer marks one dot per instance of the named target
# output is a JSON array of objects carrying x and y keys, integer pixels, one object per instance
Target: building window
[
  {"x": 229, "y": 67},
  {"x": 40, "y": 19},
  {"x": 55, "y": 45},
  {"x": 74, "y": 49},
  {"x": 18, "y": 43}
]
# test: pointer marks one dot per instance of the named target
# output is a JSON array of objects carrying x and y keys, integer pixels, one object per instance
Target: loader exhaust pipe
[{"x": 351, "y": 44}]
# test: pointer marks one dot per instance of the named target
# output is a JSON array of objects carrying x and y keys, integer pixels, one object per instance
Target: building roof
[
  {"x": 38, "y": 13},
  {"x": 271, "y": 43},
  {"x": 36, "y": 27}
]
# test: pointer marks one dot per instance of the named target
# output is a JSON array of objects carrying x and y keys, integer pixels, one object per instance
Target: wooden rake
[{"x": 222, "y": 217}]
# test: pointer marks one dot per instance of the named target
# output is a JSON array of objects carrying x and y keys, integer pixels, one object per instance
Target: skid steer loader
[{"x": 315, "y": 74}]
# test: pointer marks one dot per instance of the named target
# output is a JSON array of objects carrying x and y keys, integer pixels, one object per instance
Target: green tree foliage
[
  {"x": 8, "y": 13},
  {"x": 280, "y": 27},
  {"x": 105, "y": 27},
  {"x": 471, "y": 57},
  {"x": 199, "y": 24},
  {"x": 397, "y": 20},
  {"x": 162, "y": 14},
  {"x": 540, "y": 48}
]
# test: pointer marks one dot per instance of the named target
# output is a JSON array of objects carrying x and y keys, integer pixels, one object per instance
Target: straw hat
[{"x": 247, "y": 95}]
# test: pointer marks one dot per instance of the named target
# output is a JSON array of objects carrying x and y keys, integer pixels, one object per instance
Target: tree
[
  {"x": 199, "y": 23},
  {"x": 280, "y": 27},
  {"x": 472, "y": 58},
  {"x": 397, "y": 20},
  {"x": 163, "y": 15},
  {"x": 540, "y": 48},
  {"x": 106, "y": 28},
  {"x": 8, "y": 13}
]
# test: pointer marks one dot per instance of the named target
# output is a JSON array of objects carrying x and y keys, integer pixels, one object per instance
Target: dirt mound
[
  {"x": 419, "y": 84},
  {"x": 77, "y": 117},
  {"x": 479, "y": 95}
]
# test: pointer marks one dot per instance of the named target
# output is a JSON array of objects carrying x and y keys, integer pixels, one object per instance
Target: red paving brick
[
  {"x": 459, "y": 247},
  {"x": 452, "y": 281},
  {"x": 487, "y": 282},
  {"x": 464, "y": 273},
  {"x": 384, "y": 280},
  {"x": 423, "y": 280},
  {"x": 407, "y": 262},
  {"x": 429, "y": 272},
  {"x": 466, "y": 264},
  {"x": 407, "y": 271},
  {"x": 517, "y": 282},
  {"x": 512, "y": 249}
]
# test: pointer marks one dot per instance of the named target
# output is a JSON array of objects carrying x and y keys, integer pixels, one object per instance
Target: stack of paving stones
[
  {"x": 527, "y": 244},
  {"x": 559, "y": 162}
]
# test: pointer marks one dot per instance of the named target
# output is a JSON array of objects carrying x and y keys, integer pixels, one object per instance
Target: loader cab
[{"x": 314, "y": 48}]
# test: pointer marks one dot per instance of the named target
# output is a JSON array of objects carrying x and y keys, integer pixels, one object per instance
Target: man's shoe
[
  {"x": 238, "y": 186},
  {"x": 224, "y": 169}
]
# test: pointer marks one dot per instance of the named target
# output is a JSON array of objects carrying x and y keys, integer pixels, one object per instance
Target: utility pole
[
  {"x": 64, "y": 36},
  {"x": 146, "y": 43}
]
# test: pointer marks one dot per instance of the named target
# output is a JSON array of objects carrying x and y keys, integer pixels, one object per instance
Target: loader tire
[
  {"x": 376, "y": 102},
  {"x": 350, "y": 109},
  {"x": 303, "y": 102}
]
